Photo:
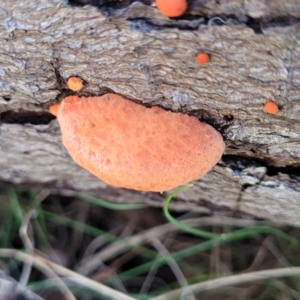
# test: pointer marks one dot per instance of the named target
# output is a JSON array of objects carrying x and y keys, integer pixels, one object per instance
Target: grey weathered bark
[{"x": 139, "y": 53}]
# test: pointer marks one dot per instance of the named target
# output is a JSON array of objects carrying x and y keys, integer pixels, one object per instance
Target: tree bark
[{"x": 133, "y": 50}]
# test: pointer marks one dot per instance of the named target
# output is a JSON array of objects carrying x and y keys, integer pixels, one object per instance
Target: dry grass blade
[
  {"x": 26, "y": 235},
  {"x": 44, "y": 265},
  {"x": 232, "y": 280},
  {"x": 88, "y": 265},
  {"x": 55, "y": 278},
  {"x": 29, "y": 246},
  {"x": 186, "y": 292}
]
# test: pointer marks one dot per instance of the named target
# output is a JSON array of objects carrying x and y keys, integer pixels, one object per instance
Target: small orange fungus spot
[
  {"x": 75, "y": 83},
  {"x": 54, "y": 109},
  {"x": 172, "y": 8},
  {"x": 203, "y": 58},
  {"x": 271, "y": 107},
  {"x": 131, "y": 146}
]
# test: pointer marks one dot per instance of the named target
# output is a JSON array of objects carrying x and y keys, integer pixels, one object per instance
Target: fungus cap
[
  {"x": 202, "y": 58},
  {"x": 75, "y": 83},
  {"x": 271, "y": 107},
  {"x": 172, "y": 8},
  {"x": 128, "y": 145}
]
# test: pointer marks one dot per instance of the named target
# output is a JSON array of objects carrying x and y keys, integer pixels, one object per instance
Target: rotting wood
[{"x": 138, "y": 53}]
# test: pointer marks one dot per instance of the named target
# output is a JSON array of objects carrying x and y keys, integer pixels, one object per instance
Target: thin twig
[
  {"x": 61, "y": 285},
  {"x": 97, "y": 243},
  {"x": 186, "y": 292},
  {"x": 89, "y": 254},
  {"x": 44, "y": 264},
  {"x": 89, "y": 265},
  {"x": 275, "y": 251},
  {"x": 168, "y": 240},
  {"x": 29, "y": 246},
  {"x": 233, "y": 280},
  {"x": 27, "y": 238}
]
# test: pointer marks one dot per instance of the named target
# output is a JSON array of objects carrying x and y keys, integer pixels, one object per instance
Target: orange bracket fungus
[
  {"x": 172, "y": 8},
  {"x": 271, "y": 107},
  {"x": 131, "y": 146},
  {"x": 203, "y": 58},
  {"x": 75, "y": 83}
]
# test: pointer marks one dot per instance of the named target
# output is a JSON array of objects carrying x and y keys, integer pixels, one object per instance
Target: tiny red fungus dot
[
  {"x": 172, "y": 8},
  {"x": 228, "y": 117},
  {"x": 271, "y": 107},
  {"x": 131, "y": 146},
  {"x": 203, "y": 58},
  {"x": 75, "y": 83}
]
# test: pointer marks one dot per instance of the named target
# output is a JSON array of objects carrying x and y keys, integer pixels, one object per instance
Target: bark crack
[{"x": 26, "y": 117}]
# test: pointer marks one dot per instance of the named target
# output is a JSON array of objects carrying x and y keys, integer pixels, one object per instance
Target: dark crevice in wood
[
  {"x": 280, "y": 21},
  {"x": 256, "y": 24},
  {"x": 115, "y": 4},
  {"x": 60, "y": 80},
  {"x": 6, "y": 98},
  {"x": 240, "y": 163},
  {"x": 146, "y": 24},
  {"x": 290, "y": 170},
  {"x": 26, "y": 117},
  {"x": 260, "y": 153}
]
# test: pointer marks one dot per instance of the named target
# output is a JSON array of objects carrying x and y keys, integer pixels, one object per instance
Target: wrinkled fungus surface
[
  {"x": 172, "y": 8},
  {"x": 128, "y": 145}
]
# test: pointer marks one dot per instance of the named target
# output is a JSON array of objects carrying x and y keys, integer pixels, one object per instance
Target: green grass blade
[
  {"x": 7, "y": 226},
  {"x": 15, "y": 205},
  {"x": 184, "y": 227},
  {"x": 13, "y": 218},
  {"x": 109, "y": 205}
]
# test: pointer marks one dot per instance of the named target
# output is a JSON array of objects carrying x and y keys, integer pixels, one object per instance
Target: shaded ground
[{"x": 90, "y": 240}]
